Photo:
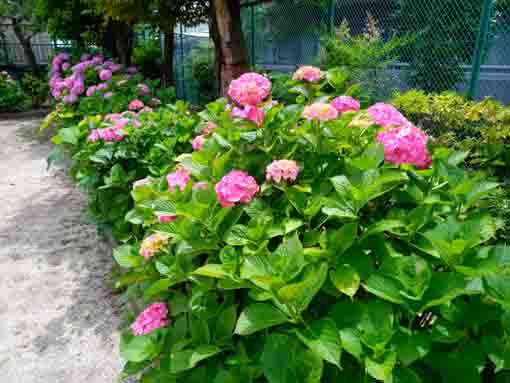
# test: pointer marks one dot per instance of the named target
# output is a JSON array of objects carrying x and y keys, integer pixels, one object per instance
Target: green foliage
[
  {"x": 365, "y": 57},
  {"x": 201, "y": 62},
  {"x": 358, "y": 271},
  {"x": 147, "y": 57},
  {"x": 37, "y": 89},
  {"x": 12, "y": 98}
]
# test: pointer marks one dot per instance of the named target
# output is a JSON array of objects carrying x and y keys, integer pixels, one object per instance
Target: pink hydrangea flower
[
  {"x": 108, "y": 95},
  {"x": 78, "y": 88},
  {"x": 105, "y": 134},
  {"x": 200, "y": 185},
  {"x": 93, "y": 136},
  {"x": 142, "y": 182},
  {"x": 237, "y": 186},
  {"x": 150, "y": 319},
  {"x": 198, "y": 142},
  {"x": 105, "y": 75},
  {"x": 162, "y": 218},
  {"x": 97, "y": 60},
  {"x": 153, "y": 244},
  {"x": 85, "y": 57},
  {"x": 249, "y": 89},
  {"x": 143, "y": 89},
  {"x": 70, "y": 98},
  {"x": 319, "y": 111},
  {"x": 250, "y": 112},
  {"x": 102, "y": 86},
  {"x": 132, "y": 70},
  {"x": 115, "y": 67},
  {"x": 66, "y": 66},
  {"x": 345, "y": 104},
  {"x": 286, "y": 170},
  {"x": 112, "y": 117},
  {"x": 386, "y": 115},
  {"x": 209, "y": 128},
  {"x": 179, "y": 178},
  {"x": 90, "y": 91},
  {"x": 136, "y": 105},
  {"x": 307, "y": 73},
  {"x": 405, "y": 145}
]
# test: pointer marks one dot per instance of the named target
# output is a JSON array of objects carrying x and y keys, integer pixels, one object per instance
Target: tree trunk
[
  {"x": 231, "y": 53},
  {"x": 168, "y": 59},
  {"x": 27, "y": 49},
  {"x": 121, "y": 36}
]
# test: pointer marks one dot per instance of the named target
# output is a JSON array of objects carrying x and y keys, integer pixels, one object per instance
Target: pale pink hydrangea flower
[
  {"x": 112, "y": 117},
  {"x": 249, "y": 89},
  {"x": 66, "y": 66},
  {"x": 105, "y": 75},
  {"x": 143, "y": 89},
  {"x": 97, "y": 60},
  {"x": 345, "y": 104},
  {"x": 90, "y": 91},
  {"x": 150, "y": 319},
  {"x": 236, "y": 186},
  {"x": 200, "y": 185},
  {"x": 198, "y": 142},
  {"x": 319, "y": 111},
  {"x": 132, "y": 70},
  {"x": 142, "y": 182},
  {"x": 162, "y": 218},
  {"x": 153, "y": 244},
  {"x": 179, "y": 178},
  {"x": 209, "y": 128},
  {"x": 115, "y": 67},
  {"x": 136, "y": 105},
  {"x": 108, "y": 95},
  {"x": 70, "y": 98},
  {"x": 102, "y": 86},
  {"x": 250, "y": 112},
  {"x": 307, "y": 73},
  {"x": 286, "y": 170},
  {"x": 405, "y": 145},
  {"x": 105, "y": 134},
  {"x": 386, "y": 115}
]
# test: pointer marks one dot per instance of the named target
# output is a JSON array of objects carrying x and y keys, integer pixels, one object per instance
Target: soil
[{"x": 58, "y": 314}]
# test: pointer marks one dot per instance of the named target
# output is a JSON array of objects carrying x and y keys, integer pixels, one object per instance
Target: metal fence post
[
  {"x": 252, "y": 53},
  {"x": 479, "y": 48},
  {"x": 331, "y": 16},
  {"x": 183, "y": 72}
]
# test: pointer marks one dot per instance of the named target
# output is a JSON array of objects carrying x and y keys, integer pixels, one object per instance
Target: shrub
[
  {"x": 11, "y": 95},
  {"x": 148, "y": 58},
  {"x": 303, "y": 245},
  {"x": 37, "y": 89}
]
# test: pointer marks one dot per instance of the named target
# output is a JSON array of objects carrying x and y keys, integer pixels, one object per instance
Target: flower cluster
[
  {"x": 249, "y": 89},
  {"x": 307, "y": 73},
  {"x": 386, "y": 115},
  {"x": 136, "y": 105},
  {"x": 249, "y": 112},
  {"x": 153, "y": 244},
  {"x": 319, "y": 111},
  {"x": 150, "y": 319},
  {"x": 105, "y": 134},
  {"x": 179, "y": 178},
  {"x": 286, "y": 170},
  {"x": 345, "y": 104},
  {"x": 405, "y": 144},
  {"x": 236, "y": 186}
]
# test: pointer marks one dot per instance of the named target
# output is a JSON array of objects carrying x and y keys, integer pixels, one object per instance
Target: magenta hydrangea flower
[
  {"x": 307, "y": 73},
  {"x": 143, "y": 89},
  {"x": 98, "y": 59},
  {"x": 78, "y": 88},
  {"x": 102, "y": 86},
  {"x": 150, "y": 319},
  {"x": 136, "y": 105},
  {"x": 115, "y": 67},
  {"x": 85, "y": 57},
  {"x": 319, "y": 111},
  {"x": 90, "y": 91},
  {"x": 198, "y": 142},
  {"x": 345, "y": 104},
  {"x": 286, "y": 170},
  {"x": 179, "y": 178},
  {"x": 405, "y": 145},
  {"x": 249, "y": 89},
  {"x": 237, "y": 186},
  {"x": 70, "y": 99},
  {"x": 108, "y": 95},
  {"x": 105, "y": 75},
  {"x": 66, "y": 66},
  {"x": 162, "y": 218},
  {"x": 153, "y": 244},
  {"x": 386, "y": 115},
  {"x": 250, "y": 112},
  {"x": 132, "y": 70}
]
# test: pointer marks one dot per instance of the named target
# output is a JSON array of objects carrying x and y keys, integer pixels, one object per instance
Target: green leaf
[
  {"x": 444, "y": 287},
  {"x": 342, "y": 239},
  {"x": 498, "y": 288},
  {"x": 371, "y": 158},
  {"x": 384, "y": 288},
  {"x": 211, "y": 270},
  {"x": 288, "y": 260},
  {"x": 323, "y": 338},
  {"x": 225, "y": 323},
  {"x": 382, "y": 367},
  {"x": 143, "y": 347},
  {"x": 127, "y": 256},
  {"x": 237, "y": 236},
  {"x": 285, "y": 360},
  {"x": 377, "y": 324},
  {"x": 411, "y": 347},
  {"x": 70, "y": 135},
  {"x": 480, "y": 190},
  {"x": 346, "y": 279},
  {"x": 300, "y": 294},
  {"x": 259, "y": 316},
  {"x": 186, "y": 360},
  {"x": 414, "y": 273},
  {"x": 160, "y": 286},
  {"x": 382, "y": 226},
  {"x": 351, "y": 342}
]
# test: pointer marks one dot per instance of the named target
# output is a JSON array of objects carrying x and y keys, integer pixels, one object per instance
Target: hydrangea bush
[
  {"x": 11, "y": 95},
  {"x": 319, "y": 242}
]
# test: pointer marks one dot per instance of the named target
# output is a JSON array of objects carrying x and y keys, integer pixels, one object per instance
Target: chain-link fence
[{"x": 461, "y": 45}]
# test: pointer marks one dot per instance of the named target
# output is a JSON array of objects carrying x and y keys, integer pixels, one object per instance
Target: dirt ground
[{"x": 58, "y": 316}]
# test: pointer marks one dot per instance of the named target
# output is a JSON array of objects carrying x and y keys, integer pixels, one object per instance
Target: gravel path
[{"x": 58, "y": 317}]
